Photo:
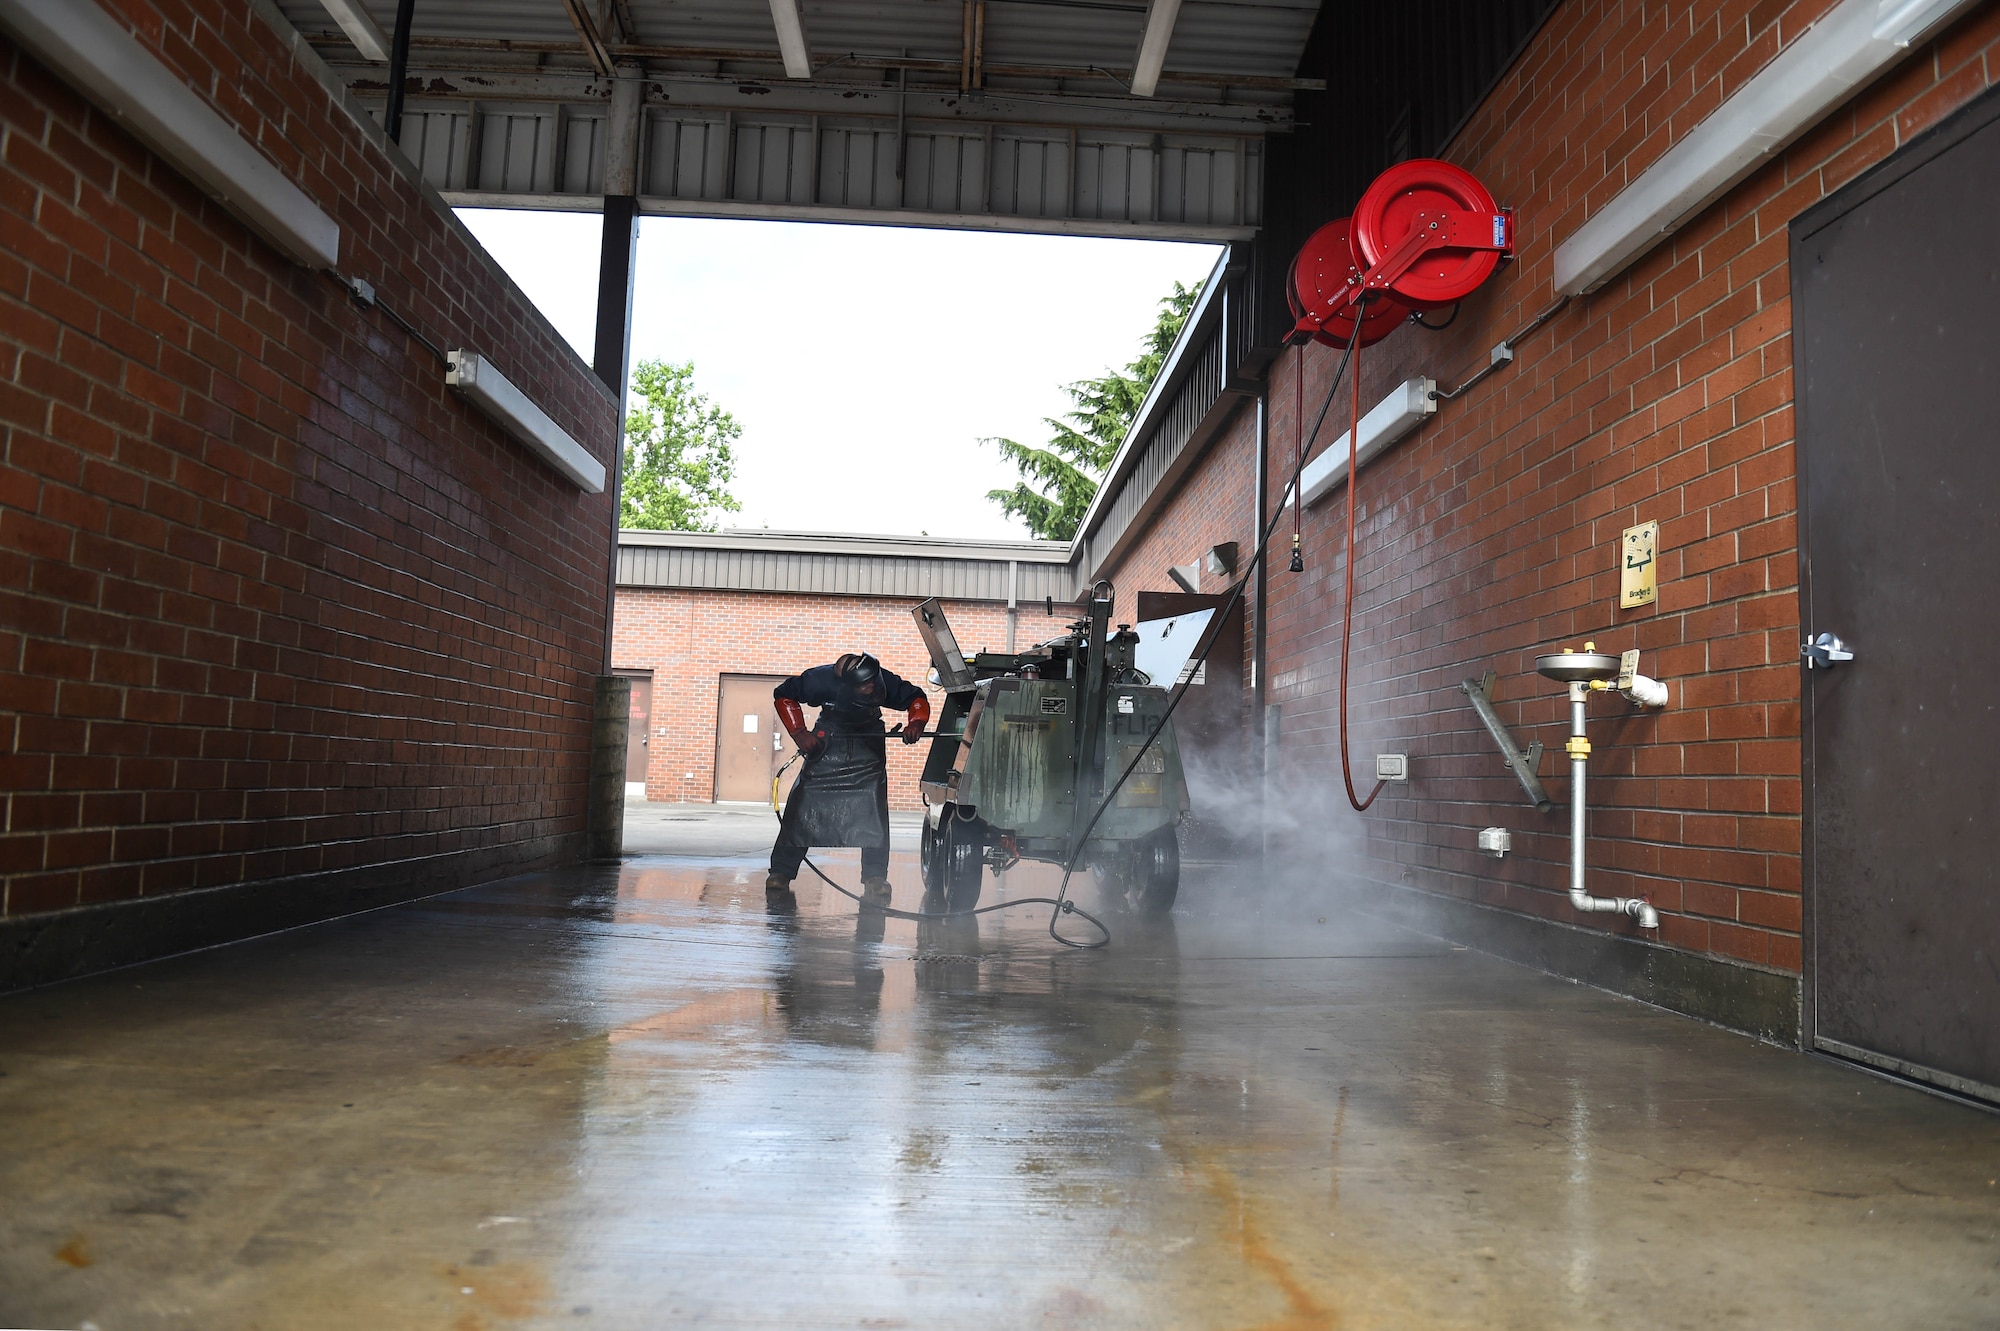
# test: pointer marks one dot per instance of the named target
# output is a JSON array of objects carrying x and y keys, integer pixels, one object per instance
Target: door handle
[{"x": 1825, "y": 652}]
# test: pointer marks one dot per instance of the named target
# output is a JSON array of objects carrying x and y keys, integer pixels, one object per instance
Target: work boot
[
  {"x": 876, "y": 890},
  {"x": 776, "y": 883}
]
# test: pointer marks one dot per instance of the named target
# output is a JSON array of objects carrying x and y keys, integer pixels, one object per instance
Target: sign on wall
[{"x": 1637, "y": 551}]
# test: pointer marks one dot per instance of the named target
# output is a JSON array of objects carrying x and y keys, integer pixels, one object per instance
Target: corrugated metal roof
[
  {"x": 819, "y": 564},
  {"x": 1254, "y": 39},
  {"x": 505, "y": 108}
]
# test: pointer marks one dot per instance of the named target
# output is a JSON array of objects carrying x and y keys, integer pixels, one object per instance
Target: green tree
[
  {"x": 678, "y": 459},
  {"x": 1061, "y": 478}
]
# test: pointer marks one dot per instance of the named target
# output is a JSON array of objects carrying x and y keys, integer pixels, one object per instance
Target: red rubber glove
[
  {"x": 794, "y": 722},
  {"x": 920, "y": 712}
]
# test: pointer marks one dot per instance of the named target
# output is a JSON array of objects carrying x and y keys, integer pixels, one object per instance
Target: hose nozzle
[{"x": 1298, "y": 559}]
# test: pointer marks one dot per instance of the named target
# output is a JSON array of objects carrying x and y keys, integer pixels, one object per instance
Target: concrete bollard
[{"x": 610, "y": 734}]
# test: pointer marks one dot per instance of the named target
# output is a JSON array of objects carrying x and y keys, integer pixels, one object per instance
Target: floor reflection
[{"x": 652, "y": 1096}]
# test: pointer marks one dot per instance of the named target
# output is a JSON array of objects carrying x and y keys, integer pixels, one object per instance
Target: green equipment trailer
[{"x": 1026, "y": 746}]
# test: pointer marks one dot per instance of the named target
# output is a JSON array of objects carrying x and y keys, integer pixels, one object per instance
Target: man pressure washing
[{"x": 841, "y": 797}]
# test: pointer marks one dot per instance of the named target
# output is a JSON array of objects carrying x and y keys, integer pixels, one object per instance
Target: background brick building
[{"x": 693, "y": 607}]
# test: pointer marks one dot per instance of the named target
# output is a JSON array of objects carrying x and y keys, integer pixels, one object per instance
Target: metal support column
[
  {"x": 621, "y": 136},
  {"x": 902, "y": 134},
  {"x": 611, "y": 359},
  {"x": 399, "y": 68},
  {"x": 614, "y": 334}
]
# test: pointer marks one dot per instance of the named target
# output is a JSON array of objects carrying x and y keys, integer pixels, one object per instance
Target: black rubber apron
[{"x": 842, "y": 795}]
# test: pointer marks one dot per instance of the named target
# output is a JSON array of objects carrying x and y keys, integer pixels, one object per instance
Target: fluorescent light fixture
[
  {"x": 355, "y": 20},
  {"x": 792, "y": 38},
  {"x": 90, "y": 51},
  {"x": 1153, "y": 43},
  {"x": 494, "y": 394},
  {"x": 1409, "y": 406},
  {"x": 1850, "y": 46}
]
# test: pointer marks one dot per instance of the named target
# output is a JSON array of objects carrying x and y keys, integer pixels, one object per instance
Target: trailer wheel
[
  {"x": 962, "y": 860},
  {"x": 927, "y": 856},
  {"x": 1156, "y": 872}
]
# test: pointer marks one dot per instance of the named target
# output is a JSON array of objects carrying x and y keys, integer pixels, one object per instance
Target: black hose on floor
[{"x": 1062, "y": 907}]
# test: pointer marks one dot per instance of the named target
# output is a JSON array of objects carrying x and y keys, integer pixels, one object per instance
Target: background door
[
  {"x": 749, "y": 745},
  {"x": 638, "y": 747},
  {"x": 1896, "y": 288}
]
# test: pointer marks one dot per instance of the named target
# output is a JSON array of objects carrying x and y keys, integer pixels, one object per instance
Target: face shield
[{"x": 862, "y": 681}]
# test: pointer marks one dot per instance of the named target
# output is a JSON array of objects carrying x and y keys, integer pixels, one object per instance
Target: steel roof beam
[
  {"x": 915, "y": 64},
  {"x": 595, "y": 49},
  {"x": 1153, "y": 43},
  {"x": 621, "y": 11},
  {"x": 713, "y": 94},
  {"x": 360, "y": 28},
  {"x": 791, "y": 28}
]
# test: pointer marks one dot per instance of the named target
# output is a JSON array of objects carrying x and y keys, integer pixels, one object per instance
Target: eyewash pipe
[{"x": 1579, "y": 762}]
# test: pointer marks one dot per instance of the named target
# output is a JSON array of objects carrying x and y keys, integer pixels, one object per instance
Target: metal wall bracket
[{"x": 1522, "y": 764}]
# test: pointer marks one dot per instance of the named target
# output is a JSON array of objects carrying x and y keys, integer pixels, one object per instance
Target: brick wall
[
  {"x": 689, "y": 638},
  {"x": 1214, "y": 503},
  {"x": 272, "y": 601},
  {"x": 1491, "y": 534}
]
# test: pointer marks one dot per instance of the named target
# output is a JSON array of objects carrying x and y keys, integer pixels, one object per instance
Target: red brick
[
  {"x": 1508, "y": 504},
  {"x": 152, "y": 486}
]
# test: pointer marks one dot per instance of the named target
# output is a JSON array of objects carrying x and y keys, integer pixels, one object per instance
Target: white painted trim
[
  {"x": 494, "y": 394},
  {"x": 791, "y": 38},
  {"x": 1852, "y": 45},
  {"x": 1407, "y": 407},
  {"x": 1153, "y": 43},
  {"x": 104, "y": 62},
  {"x": 360, "y": 28}
]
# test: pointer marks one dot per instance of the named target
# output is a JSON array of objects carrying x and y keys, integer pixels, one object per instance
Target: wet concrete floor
[{"x": 632, "y": 1098}]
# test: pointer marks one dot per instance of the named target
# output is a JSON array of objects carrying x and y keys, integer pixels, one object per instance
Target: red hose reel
[{"x": 1425, "y": 234}]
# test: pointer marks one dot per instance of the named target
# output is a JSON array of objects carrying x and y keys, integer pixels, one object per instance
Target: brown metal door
[
  {"x": 1896, "y": 288},
  {"x": 638, "y": 745},
  {"x": 746, "y": 737}
]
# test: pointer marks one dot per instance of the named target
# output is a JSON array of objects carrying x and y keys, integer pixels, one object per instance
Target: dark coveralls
[{"x": 842, "y": 795}]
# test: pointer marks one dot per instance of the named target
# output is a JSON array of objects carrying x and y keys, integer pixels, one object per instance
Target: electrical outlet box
[
  {"x": 1496, "y": 841},
  {"x": 1392, "y": 767}
]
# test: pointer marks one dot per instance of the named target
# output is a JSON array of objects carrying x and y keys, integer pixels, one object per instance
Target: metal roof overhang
[
  {"x": 837, "y": 564},
  {"x": 990, "y": 114}
]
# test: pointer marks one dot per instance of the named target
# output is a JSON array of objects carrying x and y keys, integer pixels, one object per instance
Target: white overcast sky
[{"x": 864, "y": 363}]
